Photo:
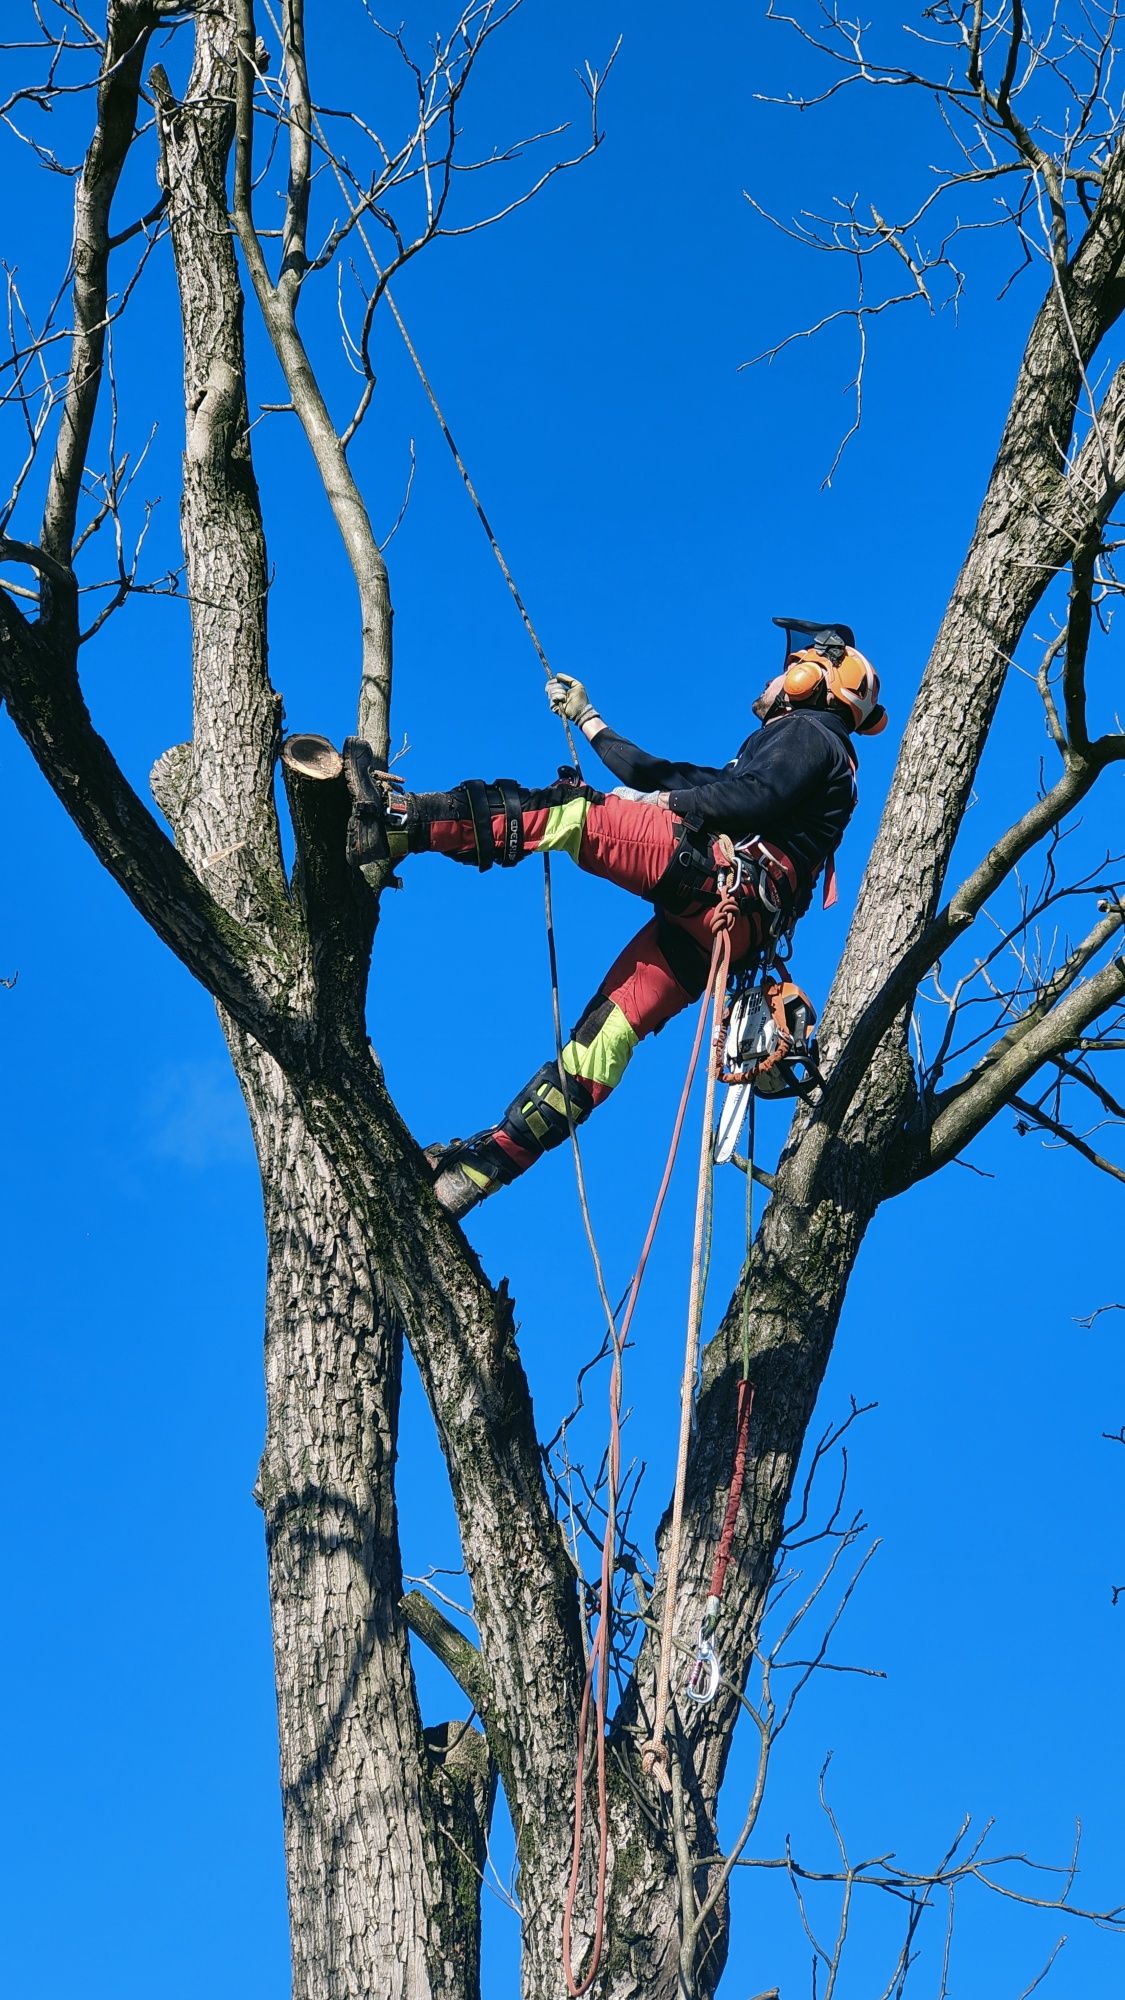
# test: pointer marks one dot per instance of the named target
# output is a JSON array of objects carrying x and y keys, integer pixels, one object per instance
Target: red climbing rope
[
  {"x": 721, "y": 921},
  {"x": 734, "y": 1497},
  {"x": 743, "y": 1408}
]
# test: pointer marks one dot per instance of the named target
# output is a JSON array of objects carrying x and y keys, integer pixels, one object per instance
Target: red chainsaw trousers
[{"x": 659, "y": 972}]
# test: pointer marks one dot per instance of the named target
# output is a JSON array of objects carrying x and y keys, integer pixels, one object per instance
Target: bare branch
[
  {"x": 129, "y": 27},
  {"x": 1034, "y": 1115},
  {"x": 44, "y": 700},
  {"x": 1097, "y": 1312},
  {"x": 294, "y": 261},
  {"x": 1049, "y": 1028},
  {"x": 345, "y": 499},
  {"x": 401, "y": 515},
  {"x": 456, "y": 1653}
]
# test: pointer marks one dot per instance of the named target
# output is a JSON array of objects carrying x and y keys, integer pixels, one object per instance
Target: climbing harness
[
  {"x": 690, "y": 874},
  {"x": 768, "y": 1020}
]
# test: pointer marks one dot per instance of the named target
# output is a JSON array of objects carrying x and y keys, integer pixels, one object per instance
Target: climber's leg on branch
[
  {"x": 658, "y": 974},
  {"x": 627, "y": 841}
]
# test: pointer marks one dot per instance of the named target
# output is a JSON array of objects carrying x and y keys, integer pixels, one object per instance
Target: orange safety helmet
[{"x": 834, "y": 662}]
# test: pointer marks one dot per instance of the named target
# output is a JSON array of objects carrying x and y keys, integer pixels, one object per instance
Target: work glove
[{"x": 569, "y": 699}]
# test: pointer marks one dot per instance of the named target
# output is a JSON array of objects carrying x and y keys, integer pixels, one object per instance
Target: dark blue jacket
[{"x": 792, "y": 781}]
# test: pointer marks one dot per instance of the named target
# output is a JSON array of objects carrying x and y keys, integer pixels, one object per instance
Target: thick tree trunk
[
  {"x": 833, "y": 1175},
  {"x": 380, "y": 1827},
  {"x": 525, "y": 1679},
  {"x": 378, "y": 1895}
]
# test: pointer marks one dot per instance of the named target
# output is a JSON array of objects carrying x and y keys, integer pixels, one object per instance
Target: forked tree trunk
[
  {"x": 384, "y": 1822},
  {"x": 361, "y": 1833}
]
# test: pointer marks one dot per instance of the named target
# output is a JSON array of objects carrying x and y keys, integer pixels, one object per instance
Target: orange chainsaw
[{"x": 769, "y": 1050}]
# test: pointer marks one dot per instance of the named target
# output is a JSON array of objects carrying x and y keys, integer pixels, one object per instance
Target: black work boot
[
  {"x": 377, "y": 826},
  {"x": 466, "y": 1172}
]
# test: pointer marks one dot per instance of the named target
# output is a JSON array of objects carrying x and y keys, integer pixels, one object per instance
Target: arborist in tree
[{"x": 668, "y": 832}]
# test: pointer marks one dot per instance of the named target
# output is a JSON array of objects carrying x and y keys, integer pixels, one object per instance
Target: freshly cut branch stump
[{"x": 312, "y": 757}]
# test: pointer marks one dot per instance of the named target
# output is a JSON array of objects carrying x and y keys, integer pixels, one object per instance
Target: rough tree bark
[
  {"x": 371, "y": 1809},
  {"x": 385, "y": 1822}
]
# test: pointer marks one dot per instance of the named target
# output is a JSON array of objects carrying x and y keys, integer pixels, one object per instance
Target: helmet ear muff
[
  {"x": 855, "y": 685},
  {"x": 803, "y": 676}
]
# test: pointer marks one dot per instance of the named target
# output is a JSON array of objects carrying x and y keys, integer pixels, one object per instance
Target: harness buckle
[{"x": 772, "y": 878}]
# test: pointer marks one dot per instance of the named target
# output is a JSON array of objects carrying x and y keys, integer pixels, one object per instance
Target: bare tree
[{"x": 386, "y": 1821}]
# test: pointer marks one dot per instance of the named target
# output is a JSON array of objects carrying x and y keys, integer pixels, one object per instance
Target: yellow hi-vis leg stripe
[
  {"x": 565, "y": 824},
  {"x": 533, "y": 1118},
  {"x": 605, "y": 1058}
]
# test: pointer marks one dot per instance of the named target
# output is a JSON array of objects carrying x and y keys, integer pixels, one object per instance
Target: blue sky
[{"x": 657, "y": 505}]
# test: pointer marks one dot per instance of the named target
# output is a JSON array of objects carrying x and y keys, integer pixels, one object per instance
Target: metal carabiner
[
  {"x": 704, "y": 1674},
  {"x": 729, "y": 877}
]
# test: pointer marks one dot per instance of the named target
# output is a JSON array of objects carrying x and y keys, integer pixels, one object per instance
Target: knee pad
[
  {"x": 502, "y": 799},
  {"x": 537, "y": 1117}
]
